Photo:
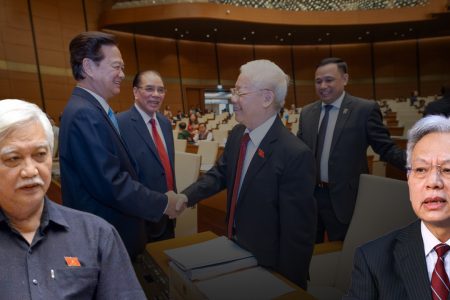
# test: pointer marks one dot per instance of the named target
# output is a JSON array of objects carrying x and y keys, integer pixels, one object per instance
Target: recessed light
[
  {"x": 215, "y": 29},
  {"x": 175, "y": 29},
  {"x": 327, "y": 34},
  {"x": 181, "y": 35},
  {"x": 252, "y": 32},
  {"x": 319, "y": 39},
  {"x": 207, "y": 36},
  {"x": 289, "y": 34},
  {"x": 367, "y": 32}
]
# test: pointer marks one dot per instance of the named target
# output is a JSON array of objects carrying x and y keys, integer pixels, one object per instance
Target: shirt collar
[
  {"x": 99, "y": 98},
  {"x": 338, "y": 102},
  {"x": 429, "y": 240},
  {"x": 50, "y": 213},
  {"x": 145, "y": 115},
  {"x": 257, "y": 134}
]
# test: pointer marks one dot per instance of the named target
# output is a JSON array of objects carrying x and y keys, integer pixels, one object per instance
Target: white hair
[
  {"x": 267, "y": 75},
  {"x": 424, "y": 126},
  {"x": 16, "y": 113}
]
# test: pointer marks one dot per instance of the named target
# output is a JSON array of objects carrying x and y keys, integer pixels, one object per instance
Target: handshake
[{"x": 176, "y": 204}]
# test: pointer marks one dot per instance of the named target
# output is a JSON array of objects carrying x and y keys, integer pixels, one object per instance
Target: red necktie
[
  {"x": 237, "y": 180},
  {"x": 162, "y": 155},
  {"x": 439, "y": 279}
]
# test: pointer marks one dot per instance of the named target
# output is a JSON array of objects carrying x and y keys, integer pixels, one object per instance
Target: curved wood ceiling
[{"x": 210, "y": 22}]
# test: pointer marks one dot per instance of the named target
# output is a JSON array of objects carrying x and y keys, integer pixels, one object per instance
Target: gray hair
[
  {"x": 17, "y": 113},
  {"x": 267, "y": 75},
  {"x": 423, "y": 127}
]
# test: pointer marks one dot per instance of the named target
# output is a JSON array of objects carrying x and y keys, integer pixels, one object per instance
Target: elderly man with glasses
[
  {"x": 269, "y": 175},
  {"x": 413, "y": 262}
]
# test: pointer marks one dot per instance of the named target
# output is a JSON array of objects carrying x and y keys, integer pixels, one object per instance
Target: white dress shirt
[{"x": 429, "y": 242}]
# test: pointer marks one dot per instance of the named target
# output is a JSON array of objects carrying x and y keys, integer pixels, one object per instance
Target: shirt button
[{"x": 35, "y": 282}]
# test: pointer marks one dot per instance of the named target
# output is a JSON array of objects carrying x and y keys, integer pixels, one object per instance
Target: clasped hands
[{"x": 177, "y": 203}]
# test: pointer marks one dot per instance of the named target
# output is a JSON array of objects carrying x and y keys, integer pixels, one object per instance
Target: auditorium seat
[
  {"x": 187, "y": 169},
  {"x": 382, "y": 205},
  {"x": 208, "y": 150}
]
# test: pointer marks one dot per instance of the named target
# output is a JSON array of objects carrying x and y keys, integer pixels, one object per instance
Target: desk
[{"x": 156, "y": 253}]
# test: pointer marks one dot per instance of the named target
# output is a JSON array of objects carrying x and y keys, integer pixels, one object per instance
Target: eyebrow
[{"x": 11, "y": 149}]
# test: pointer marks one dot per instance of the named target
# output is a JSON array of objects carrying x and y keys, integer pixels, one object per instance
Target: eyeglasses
[
  {"x": 151, "y": 89},
  {"x": 422, "y": 171},
  {"x": 235, "y": 92}
]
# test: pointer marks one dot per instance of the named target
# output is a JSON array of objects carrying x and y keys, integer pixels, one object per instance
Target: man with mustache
[
  {"x": 413, "y": 262},
  {"x": 148, "y": 133},
  {"x": 98, "y": 174},
  {"x": 48, "y": 251}
]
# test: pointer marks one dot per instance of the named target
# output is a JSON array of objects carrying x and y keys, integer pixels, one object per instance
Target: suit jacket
[
  {"x": 151, "y": 172},
  {"x": 98, "y": 174},
  {"x": 359, "y": 125},
  {"x": 438, "y": 107},
  {"x": 276, "y": 215},
  {"x": 391, "y": 267}
]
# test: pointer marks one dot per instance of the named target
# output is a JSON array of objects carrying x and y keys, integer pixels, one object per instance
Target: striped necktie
[{"x": 439, "y": 279}]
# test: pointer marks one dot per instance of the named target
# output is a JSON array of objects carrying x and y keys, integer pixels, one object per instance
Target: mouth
[{"x": 434, "y": 203}]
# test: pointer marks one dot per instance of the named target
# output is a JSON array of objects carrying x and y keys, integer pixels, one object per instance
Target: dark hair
[
  {"x": 341, "y": 64},
  {"x": 182, "y": 125},
  {"x": 138, "y": 76},
  {"x": 88, "y": 45}
]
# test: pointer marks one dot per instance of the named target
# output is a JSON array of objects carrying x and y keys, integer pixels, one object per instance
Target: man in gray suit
[
  {"x": 352, "y": 125},
  {"x": 411, "y": 263}
]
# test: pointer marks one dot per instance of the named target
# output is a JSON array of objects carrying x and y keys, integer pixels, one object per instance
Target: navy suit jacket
[
  {"x": 98, "y": 174},
  {"x": 276, "y": 212},
  {"x": 391, "y": 267},
  {"x": 358, "y": 126},
  {"x": 438, "y": 107},
  {"x": 151, "y": 172}
]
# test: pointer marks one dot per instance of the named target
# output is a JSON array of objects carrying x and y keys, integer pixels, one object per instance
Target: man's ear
[
  {"x": 87, "y": 65},
  {"x": 268, "y": 97}
]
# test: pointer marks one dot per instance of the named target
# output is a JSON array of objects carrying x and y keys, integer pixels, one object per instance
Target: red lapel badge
[
  {"x": 72, "y": 261},
  {"x": 261, "y": 153}
]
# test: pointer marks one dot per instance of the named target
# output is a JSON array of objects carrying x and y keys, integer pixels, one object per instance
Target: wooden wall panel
[
  {"x": 58, "y": 21},
  {"x": 358, "y": 58},
  {"x": 231, "y": 57},
  {"x": 306, "y": 60},
  {"x": 434, "y": 64},
  {"x": 198, "y": 63},
  {"x": 395, "y": 68}
]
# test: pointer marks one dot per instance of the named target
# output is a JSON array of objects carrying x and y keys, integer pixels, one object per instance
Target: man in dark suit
[
  {"x": 440, "y": 106},
  {"x": 353, "y": 124},
  {"x": 137, "y": 132},
  {"x": 413, "y": 262},
  {"x": 269, "y": 175},
  {"x": 97, "y": 172}
]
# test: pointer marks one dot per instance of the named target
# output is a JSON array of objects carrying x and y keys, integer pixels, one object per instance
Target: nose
[
  {"x": 434, "y": 179},
  {"x": 122, "y": 74},
  {"x": 29, "y": 169},
  {"x": 234, "y": 98}
]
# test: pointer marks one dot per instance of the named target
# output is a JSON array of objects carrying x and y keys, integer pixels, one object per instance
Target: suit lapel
[
  {"x": 142, "y": 129},
  {"x": 261, "y": 156},
  {"x": 92, "y": 101},
  {"x": 344, "y": 114},
  {"x": 409, "y": 259}
]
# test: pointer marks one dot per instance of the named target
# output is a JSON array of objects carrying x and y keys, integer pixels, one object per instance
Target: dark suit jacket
[
  {"x": 98, "y": 175},
  {"x": 391, "y": 267},
  {"x": 438, "y": 107},
  {"x": 359, "y": 125},
  {"x": 276, "y": 213},
  {"x": 151, "y": 172}
]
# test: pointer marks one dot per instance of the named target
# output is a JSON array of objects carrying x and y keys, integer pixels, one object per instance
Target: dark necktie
[
  {"x": 162, "y": 155},
  {"x": 439, "y": 279},
  {"x": 237, "y": 180},
  {"x": 113, "y": 119},
  {"x": 321, "y": 137}
]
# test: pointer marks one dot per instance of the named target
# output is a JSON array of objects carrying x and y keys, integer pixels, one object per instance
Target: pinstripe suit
[{"x": 391, "y": 267}]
